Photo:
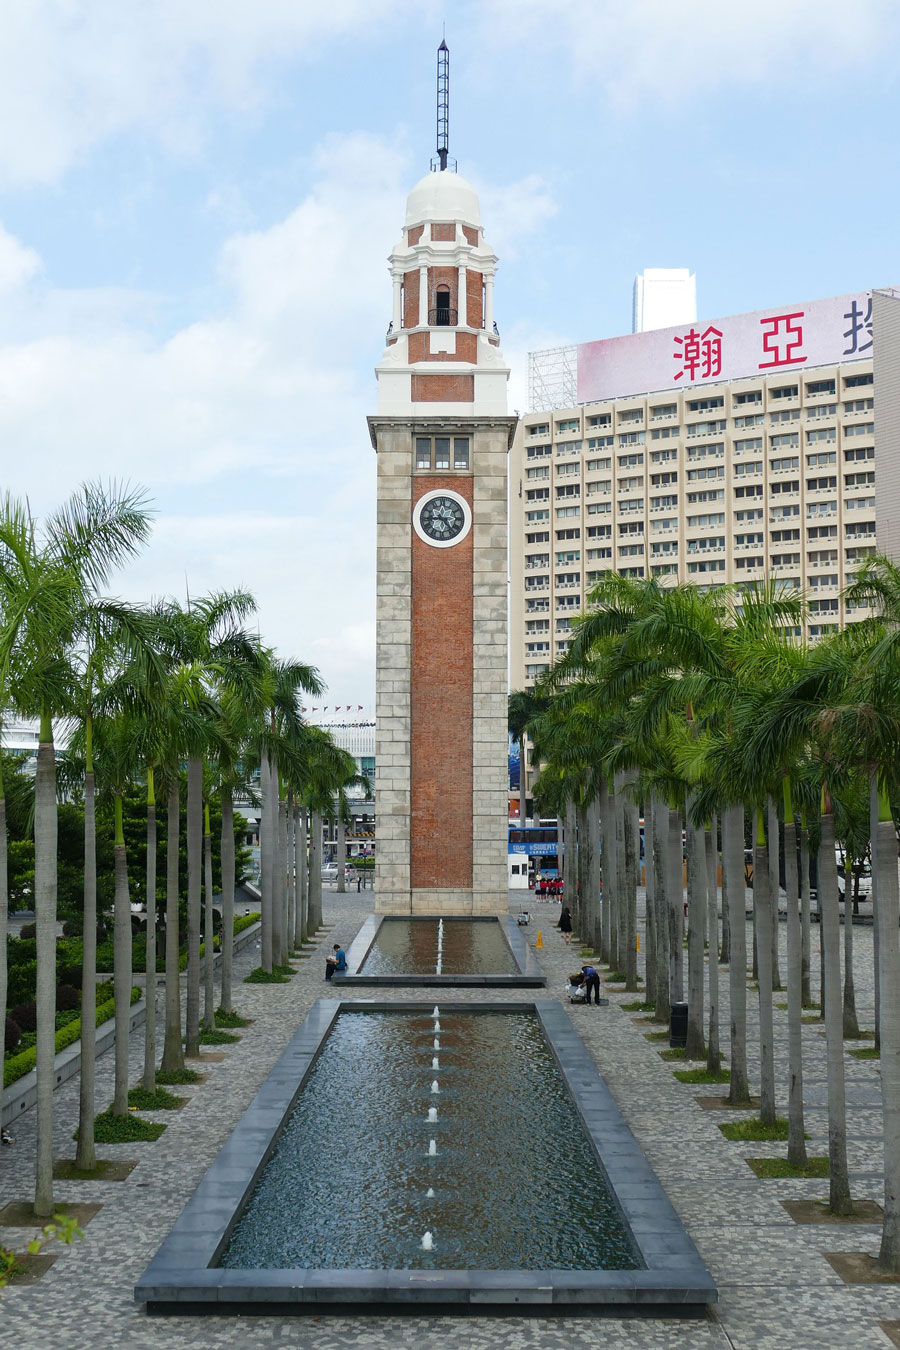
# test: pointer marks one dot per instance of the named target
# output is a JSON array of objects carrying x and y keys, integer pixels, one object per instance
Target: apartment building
[{"x": 766, "y": 469}]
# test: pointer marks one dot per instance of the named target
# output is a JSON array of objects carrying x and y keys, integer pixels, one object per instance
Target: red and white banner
[{"x": 820, "y": 333}]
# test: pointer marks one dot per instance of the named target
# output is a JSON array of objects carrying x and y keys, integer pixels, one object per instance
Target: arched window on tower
[{"x": 442, "y": 315}]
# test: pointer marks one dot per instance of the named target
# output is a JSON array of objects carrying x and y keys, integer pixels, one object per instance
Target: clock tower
[{"x": 442, "y": 435}]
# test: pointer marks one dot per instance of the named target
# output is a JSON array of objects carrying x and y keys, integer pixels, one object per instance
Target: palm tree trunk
[
  {"x": 45, "y": 886},
  {"x": 695, "y": 1046},
  {"x": 560, "y": 846},
  {"x": 593, "y": 882},
  {"x": 805, "y": 969},
  {"x": 228, "y": 885},
  {"x": 884, "y": 863},
  {"x": 607, "y": 868},
  {"x": 315, "y": 873},
  {"x": 341, "y": 852},
  {"x": 616, "y": 931},
  {"x": 796, "y": 1129},
  {"x": 774, "y": 885},
  {"x": 279, "y": 896},
  {"x": 209, "y": 987},
  {"x": 725, "y": 953},
  {"x": 632, "y": 849},
  {"x": 570, "y": 855},
  {"x": 850, "y": 1020},
  {"x": 121, "y": 962},
  {"x": 302, "y": 877},
  {"x": 876, "y": 921},
  {"x": 173, "y": 1049},
  {"x": 733, "y": 894},
  {"x": 266, "y": 861},
  {"x": 584, "y": 852},
  {"x": 649, "y": 909},
  {"x": 660, "y": 830},
  {"x": 839, "y": 1186},
  {"x": 195, "y": 886},
  {"x": 762, "y": 906},
  {"x": 713, "y": 1051},
  {"x": 85, "y": 1153},
  {"x": 676, "y": 908},
  {"x": 290, "y": 825},
  {"x": 149, "y": 1078}
]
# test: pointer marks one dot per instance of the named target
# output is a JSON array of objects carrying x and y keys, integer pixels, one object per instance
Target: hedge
[
  {"x": 18, "y": 1065},
  {"x": 239, "y": 925}
]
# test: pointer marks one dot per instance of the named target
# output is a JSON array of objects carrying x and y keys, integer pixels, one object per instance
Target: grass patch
[
  {"x": 275, "y": 976},
  {"x": 160, "y": 1100},
  {"x": 172, "y": 1077},
  {"x": 638, "y": 1007},
  {"x": 677, "y": 1053},
  {"x": 657, "y": 1035},
  {"x": 110, "y": 1129},
  {"x": 782, "y": 1007},
  {"x": 702, "y": 1076},
  {"x": 231, "y": 1019},
  {"x": 217, "y": 1037},
  {"x": 865, "y": 1052},
  {"x": 738, "y": 1130},
  {"x": 780, "y": 1167}
]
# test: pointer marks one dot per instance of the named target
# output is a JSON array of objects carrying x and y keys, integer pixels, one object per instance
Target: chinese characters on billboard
[{"x": 821, "y": 333}]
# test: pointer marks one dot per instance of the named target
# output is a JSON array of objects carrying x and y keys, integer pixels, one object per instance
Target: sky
[{"x": 197, "y": 201}]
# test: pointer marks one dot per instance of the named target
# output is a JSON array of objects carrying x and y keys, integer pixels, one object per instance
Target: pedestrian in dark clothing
[
  {"x": 565, "y": 925},
  {"x": 591, "y": 981}
]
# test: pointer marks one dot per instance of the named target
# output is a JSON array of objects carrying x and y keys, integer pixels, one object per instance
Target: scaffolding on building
[{"x": 553, "y": 378}]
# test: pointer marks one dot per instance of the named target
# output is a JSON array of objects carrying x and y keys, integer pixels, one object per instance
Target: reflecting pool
[
  {"x": 439, "y": 946},
  {"x": 433, "y": 1140}
]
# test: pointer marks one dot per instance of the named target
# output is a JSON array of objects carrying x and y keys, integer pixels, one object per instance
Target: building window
[
  {"x": 786, "y": 391},
  {"x": 819, "y": 387},
  {"x": 749, "y": 396},
  {"x": 433, "y": 453},
  {"x": 423, "y": 452},
  {"x": 857, "y": 381}
]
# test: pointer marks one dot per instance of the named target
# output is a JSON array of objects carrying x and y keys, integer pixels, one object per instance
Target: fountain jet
[
  {"x": 435, "y": 1086},
  {"x": 427, "y": 1243},
  {"x": 432, "y": 1115},
  {"x": 432, "y": 1148}
]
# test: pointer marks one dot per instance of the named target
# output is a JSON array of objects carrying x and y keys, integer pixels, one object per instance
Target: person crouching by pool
[
  {"x": 337, "y": 962},
  {"x": 591, "y": 981}
]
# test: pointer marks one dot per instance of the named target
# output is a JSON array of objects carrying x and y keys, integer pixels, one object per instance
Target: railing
[{"x": 446, "y": 318}]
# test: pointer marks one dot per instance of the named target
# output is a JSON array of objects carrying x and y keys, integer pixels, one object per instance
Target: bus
[{"x": 531, "y": 852}]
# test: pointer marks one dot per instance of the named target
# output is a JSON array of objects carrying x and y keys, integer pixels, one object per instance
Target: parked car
[{"x": 330, "y": 872}]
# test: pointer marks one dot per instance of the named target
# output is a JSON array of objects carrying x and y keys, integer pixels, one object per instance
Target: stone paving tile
[{"x": 777, "y": 1290}]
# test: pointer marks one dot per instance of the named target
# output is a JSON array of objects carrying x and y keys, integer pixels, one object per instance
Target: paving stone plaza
[{"x": 777, "y": 1289}]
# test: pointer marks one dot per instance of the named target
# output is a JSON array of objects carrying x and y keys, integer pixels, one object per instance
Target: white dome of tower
[{"x": 443, "y": 196}]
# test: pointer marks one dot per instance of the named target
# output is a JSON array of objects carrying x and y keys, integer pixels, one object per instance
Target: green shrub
[
  {"x": 218, "y": 1038},
  {"x": 231, "y": 1019},
  {"x": 160, "y": 1100},
  {"x": 110, "y": 1129},
  {"x": 245, "y": 921},
  {"x": 171, "y": 1077},
  {"x": 18, "y": 1065},
  {"x": 260, "y": 976}
]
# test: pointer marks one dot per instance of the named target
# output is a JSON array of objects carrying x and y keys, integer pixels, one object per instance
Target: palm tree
[{"x": 46, "y": 580}]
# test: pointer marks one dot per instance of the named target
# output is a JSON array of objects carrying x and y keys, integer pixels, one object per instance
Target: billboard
[{"x": 766, "y": 341}]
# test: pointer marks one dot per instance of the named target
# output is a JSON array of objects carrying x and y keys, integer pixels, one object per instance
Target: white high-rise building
[{"x": 663, "y": 297}]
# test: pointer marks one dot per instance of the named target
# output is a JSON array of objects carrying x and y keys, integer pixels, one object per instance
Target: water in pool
[
  {"x": 431, "y": 1141},
  {"x": 433, "y": 946}
]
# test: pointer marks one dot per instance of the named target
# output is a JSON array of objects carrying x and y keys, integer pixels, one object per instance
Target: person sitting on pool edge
[{"x": 337, "y": 962}]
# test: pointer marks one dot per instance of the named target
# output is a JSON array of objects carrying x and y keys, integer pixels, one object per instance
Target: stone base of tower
[{"x": 453, "y": 904}]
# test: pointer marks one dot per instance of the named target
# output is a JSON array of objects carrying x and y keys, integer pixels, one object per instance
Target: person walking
[{"x": 565, "y": 925}]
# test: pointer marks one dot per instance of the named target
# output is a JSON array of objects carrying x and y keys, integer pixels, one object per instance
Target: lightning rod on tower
[{"x": 443, "y": 104}]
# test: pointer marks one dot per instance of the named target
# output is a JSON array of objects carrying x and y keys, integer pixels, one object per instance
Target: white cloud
[
  {"x": 248, "y": 428},
  {"x": 18, "y": 264},
  {"x": 668, "y": 52},
  {"x": 75, "y": 72}
]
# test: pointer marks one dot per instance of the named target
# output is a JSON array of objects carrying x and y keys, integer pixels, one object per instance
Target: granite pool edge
[
  {"x": 530, "y": 972},
  {"x": 181, "y": 1276}
]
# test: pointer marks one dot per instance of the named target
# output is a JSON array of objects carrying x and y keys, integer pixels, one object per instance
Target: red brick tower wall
[{"x": 441, "y": 704}]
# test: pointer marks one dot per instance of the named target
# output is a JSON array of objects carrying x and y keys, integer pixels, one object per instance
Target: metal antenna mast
[{"x": 443, "y": 103}]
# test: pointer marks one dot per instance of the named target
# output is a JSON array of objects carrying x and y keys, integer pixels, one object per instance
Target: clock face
[{"x": 442, "y": 518}]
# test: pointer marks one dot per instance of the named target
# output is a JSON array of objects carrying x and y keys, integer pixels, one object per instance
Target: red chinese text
[
  {"x": 700, "y": 354},
  {"x": 782, "y": 339}
]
